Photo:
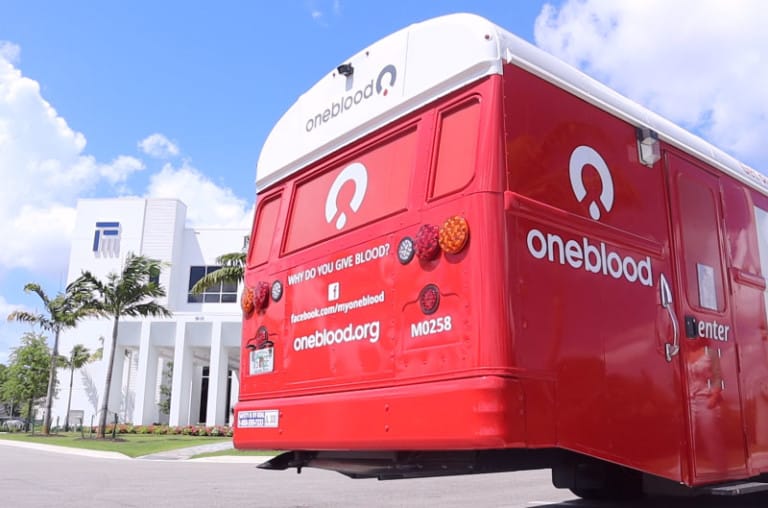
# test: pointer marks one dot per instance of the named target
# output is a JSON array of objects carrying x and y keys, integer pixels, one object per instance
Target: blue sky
[{"x": 102, "y": 99}]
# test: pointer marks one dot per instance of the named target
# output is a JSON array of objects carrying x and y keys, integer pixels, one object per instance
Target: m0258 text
[{"x": 431, "y": 326}]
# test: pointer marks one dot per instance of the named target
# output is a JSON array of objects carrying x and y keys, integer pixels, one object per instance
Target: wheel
[{"x": 620, "y": 485}]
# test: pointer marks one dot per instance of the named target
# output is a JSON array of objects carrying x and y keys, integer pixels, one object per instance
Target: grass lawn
[{"x": 132, "y": 445}]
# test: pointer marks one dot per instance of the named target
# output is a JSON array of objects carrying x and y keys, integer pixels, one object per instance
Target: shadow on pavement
[{"x": 759, "y": 500}]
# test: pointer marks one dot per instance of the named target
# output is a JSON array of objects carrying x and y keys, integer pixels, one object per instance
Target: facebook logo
[
  {"x": 106, "y": 239},
  {"x": 333, "y": 291}
]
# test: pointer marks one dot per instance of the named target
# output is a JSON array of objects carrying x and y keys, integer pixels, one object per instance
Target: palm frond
[
  {"x": 78, "y": 356},
  {"x": 224, "y": 275},
  {"x": 35, "y": 288},
  {"x": 24, "y": 316},
  {"x": 232, "y": 259},
  {"x": 232, "y": 271},
  {"x": 147, "y": 309}
]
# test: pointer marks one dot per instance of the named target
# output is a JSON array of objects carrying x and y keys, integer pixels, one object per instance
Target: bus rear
[{"x": 373, "y": 316}]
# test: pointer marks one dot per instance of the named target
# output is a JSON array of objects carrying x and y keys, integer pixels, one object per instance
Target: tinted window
[{"x": 369, "y": 186}]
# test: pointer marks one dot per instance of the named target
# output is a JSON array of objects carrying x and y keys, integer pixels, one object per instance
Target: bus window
[
  {"x": 455, "y": 148},
  {"x": 362, "y": 189},
  {"x": 761, "y": 216},
  {"x": 264, "y": 231},
  {"x": 701, "y": 244}
]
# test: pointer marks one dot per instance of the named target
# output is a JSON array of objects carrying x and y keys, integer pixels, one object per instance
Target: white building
[{"x": 200, "y": 342}]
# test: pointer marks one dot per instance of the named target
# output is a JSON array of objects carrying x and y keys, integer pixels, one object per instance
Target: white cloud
[
  {"x": 700, "y": 63},
  {"x": 43, "y": 171},
  {"x": 158, "y": 146},
  {"x": 9, "y": 51},
  {"x": 208, "y": 205},
  {"x": 9, "y": 332},
  {"x": 6, "y": 308},
  {"x": 317, "y": 10},
  {"x": 41, "y": 238},
  {"x": 120, "y": 169}
]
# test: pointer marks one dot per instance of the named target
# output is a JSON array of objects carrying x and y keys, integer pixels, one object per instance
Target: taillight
[
  {"x": 261, "y": 295},
  {"x": 262, "y": 338},
  {"x": 451, "y": 237},
  {"x": 454, "y": 234},
  {"x": 429, "y": 299},
  {"x": 427, "y": 242},
  {"x": 246, "y": 300}
]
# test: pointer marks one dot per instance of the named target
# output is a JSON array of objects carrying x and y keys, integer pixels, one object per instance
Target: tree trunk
[
  {"x": 101, "y": 433},
  {"x": 69, "y": 397},
  {"x": 30, "y": 416},
  {"x": 51, "y": 385}
]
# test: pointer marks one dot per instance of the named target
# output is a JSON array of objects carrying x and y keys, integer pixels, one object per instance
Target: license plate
[
  {"x": 269, "y": 418},
  {"x": 262, "y": 361}
]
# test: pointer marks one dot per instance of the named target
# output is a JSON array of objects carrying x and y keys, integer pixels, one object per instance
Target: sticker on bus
[
  {"x": 262, "y": 361},
  {"x": 268, "y": 418}
]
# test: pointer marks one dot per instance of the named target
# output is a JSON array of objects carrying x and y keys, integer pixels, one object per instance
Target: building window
[{"x": 223, "y": 292}]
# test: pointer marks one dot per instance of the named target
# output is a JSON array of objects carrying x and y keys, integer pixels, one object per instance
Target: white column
[
  {"x": 164, "y": 365},
  {"x": 116, "y": 386},
  {"x": 217, "y": 380},
  {"x": 146, "y": 381},
  {"x": 182, "y": 379},
  {"x": 195, "y": 393}
]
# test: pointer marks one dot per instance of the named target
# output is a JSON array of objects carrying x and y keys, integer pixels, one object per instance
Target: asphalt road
[{"x": 35, "y": 478}]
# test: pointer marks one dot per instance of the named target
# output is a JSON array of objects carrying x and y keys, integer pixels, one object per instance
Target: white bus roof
[{"x": 425, "y": 61}]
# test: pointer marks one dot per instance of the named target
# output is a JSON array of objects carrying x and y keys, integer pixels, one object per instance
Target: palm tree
[
  {"x": 128, "y": 293},
  {"x": 61, "y": 312},
  {"x": 78, "y": 357},
  {"x": 232, "y": 271}
]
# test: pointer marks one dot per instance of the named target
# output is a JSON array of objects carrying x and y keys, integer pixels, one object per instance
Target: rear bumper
[{"x": 483, "y": 412}]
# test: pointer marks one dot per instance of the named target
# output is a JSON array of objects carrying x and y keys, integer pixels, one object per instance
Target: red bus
[{"x": 469, "y": 257}]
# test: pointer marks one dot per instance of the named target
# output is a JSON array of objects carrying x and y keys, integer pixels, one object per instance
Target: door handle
[{"x": 670, "y": 350}]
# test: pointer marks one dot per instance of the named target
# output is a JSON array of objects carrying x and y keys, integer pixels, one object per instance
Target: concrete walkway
[{"x": 188, "y": 453}]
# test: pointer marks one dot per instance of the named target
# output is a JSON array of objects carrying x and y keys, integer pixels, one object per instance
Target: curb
[
  {"x": 180, "y": 455},
  {"x": 234, "y": 459},
  {"x": 65, "y": 450}
]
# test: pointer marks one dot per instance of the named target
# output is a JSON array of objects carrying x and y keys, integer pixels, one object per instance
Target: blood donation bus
[{"x": 469, "y": 257}]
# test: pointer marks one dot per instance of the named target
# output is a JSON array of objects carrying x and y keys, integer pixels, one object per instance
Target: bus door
[
  {"x": 708, "y": 343},
  {"x": 746, "y": 220}
]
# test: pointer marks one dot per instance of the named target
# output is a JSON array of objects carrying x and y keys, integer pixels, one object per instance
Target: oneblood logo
[
  {"x": 355, "y": 173},
  {"x": 381, "y": 86},
  {"x": 582, "y": 157},
  {"x": 597, "y": 259},
  {"x": 585, "y": 254}
]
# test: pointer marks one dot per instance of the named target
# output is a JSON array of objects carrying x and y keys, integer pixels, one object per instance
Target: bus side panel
[
  {"x": 742, "y": 220},
  {"x": 589, "y": 232}
]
